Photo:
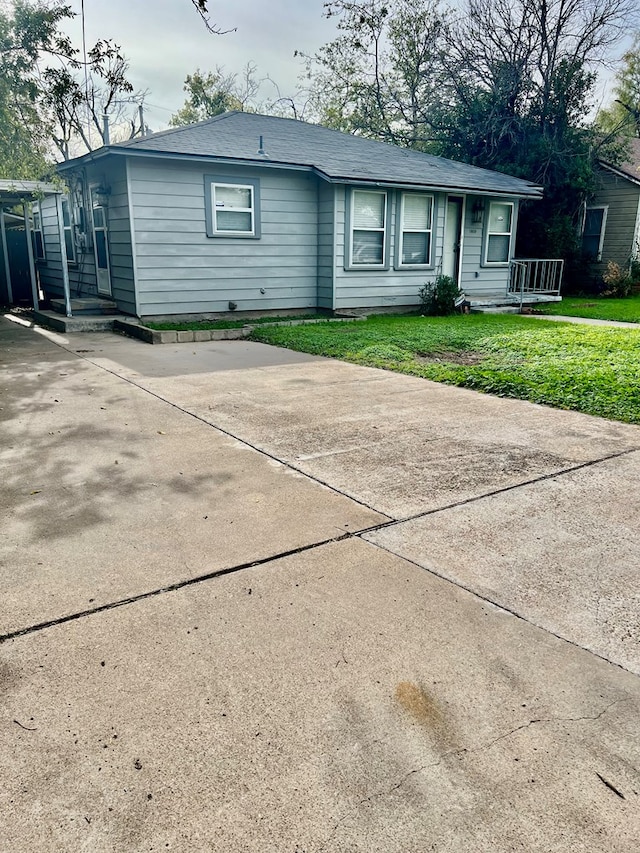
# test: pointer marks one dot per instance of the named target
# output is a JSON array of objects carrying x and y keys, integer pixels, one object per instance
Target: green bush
[{"x": 438, "y": 298}]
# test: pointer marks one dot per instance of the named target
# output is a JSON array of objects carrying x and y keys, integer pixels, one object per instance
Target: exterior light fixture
[{"x": 477, "y": 212}]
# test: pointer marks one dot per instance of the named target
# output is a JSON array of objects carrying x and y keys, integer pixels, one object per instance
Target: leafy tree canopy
[
  {"x": 502, "y": 84},
  {"x": 623, "y": 115}
]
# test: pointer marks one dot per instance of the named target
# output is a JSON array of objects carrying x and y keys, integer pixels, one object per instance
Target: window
[
  {"x": 499, "y": 230},
  {"x": 69, "y": 240},
  {"x": 368, "y": 228},
  {"x": 38, "y": 236},
  {"x": 232, "y": 207},
  {"x": 416, "y": 223},
  {"x": 595, "y": 220}
]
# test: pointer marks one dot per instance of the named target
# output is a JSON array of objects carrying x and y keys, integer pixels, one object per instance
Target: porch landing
[{"x": 90, "y": 314}]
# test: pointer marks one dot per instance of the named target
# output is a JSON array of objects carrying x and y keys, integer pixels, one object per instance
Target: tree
[
  {"x": 214, "y": 92},
  {"x": 623, "y": 115},
  {"x": 26, "y": 33},
  {"x": 505, "y": 85},
  {"x": 382, "y": 76},
  {"x": 202, "y": 8},
  {"x": 49, "y": 98}
]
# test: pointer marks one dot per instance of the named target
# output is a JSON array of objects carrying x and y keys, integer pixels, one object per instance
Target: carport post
[
  {"x": 32, "y": 266},
  {"x": 63, "y": 256},
  {"x": 5, "y": 252}
]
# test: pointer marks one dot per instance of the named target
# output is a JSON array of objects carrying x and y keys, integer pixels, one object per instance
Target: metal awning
[{"x": 14, "y": 192}]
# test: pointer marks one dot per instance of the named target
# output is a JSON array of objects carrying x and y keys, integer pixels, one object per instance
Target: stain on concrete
[{"x": 426, "y": 710}]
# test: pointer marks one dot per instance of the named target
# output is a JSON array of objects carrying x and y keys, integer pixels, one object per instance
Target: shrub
[
  {"x": 438, "y": 298},
  {"x": 618, "y": 281}
]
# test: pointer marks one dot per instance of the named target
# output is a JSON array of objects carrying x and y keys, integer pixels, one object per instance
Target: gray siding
[
  {"x": 477, "y": 280},
  {"x": 120, "y": 242},
  {"x": 82, "y": 274},
  {"x": 180, "y": 270},
  {"x": 622, "y": 198},
  {"x": 380, "y": 288},
  {"x": 326, "y": 226}
]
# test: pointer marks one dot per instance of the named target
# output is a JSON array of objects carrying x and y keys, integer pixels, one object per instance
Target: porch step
[
  {"x": 82, "y": 323},
  {"x": 91, "y": 306},
  {"x": 507, "y": 303}
]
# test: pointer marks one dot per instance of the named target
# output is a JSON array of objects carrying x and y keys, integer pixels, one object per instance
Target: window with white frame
[
  {"x": 368, "y": 228},
  {"x": 499, "y": 231},
  {"x": 595, "y": 220},
  {"x": 233, "y": 207},
  {"x": 67, "y": 221},
  {"x": 416, "y": 224},
  {"x": 38, "y": 236}
]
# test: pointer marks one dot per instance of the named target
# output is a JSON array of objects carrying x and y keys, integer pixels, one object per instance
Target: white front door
[
  {"x": 452, "y": 238},
  {"x": 101, "y": 246}
]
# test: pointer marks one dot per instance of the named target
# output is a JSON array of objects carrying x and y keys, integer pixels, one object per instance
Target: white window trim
[
  {"x": 384, "y": 230},
  {"x": 489, "y": 234},
  {"x": 402, "y": 230},
  {"x": 603, "y": 226},
  {"x": 36, "y": 211},
  {"x": 214, "y": 210}
]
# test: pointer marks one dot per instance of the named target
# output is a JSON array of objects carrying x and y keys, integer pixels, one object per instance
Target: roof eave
[
  {"x": 620, "y": 173},
  {"x": 535, "y": 192}
]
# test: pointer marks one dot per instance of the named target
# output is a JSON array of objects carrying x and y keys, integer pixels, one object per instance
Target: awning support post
[{"x": 32, "y": 265}]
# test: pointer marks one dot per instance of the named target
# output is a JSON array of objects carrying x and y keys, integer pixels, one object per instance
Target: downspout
[
  {"x": 63, "y": 256},
  {"x": 32, "y": 266},
  {"x": 5, "y": 252}
]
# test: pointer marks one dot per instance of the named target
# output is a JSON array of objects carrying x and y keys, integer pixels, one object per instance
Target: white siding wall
[
  {"x": 180, "y": 270},
  {"x": 379, "y": 288}
]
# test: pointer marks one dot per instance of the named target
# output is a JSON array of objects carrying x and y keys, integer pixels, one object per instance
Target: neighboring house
[
  {"x": 611, "y": 230},
  {"x": 264, "y": 213}
]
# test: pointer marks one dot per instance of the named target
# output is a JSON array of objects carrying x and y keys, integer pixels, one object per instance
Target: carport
[{"x": 14, "y": 193}]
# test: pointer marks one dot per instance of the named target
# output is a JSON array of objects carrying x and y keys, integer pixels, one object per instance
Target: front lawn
[
  {"x": 598, "y": 308},
  {"x": 589, "y": 369}
]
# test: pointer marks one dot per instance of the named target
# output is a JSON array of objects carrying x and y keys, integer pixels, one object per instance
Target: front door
[
  {"x": 452, "y": 238},
  {"x": 101, "y": 244}
]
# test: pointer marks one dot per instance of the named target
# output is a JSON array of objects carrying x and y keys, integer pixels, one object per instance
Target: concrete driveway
[{"x": 218, "y": 632}]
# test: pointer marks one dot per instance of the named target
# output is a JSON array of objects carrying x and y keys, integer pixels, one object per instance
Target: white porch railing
[{"x": 530, "y": 277}]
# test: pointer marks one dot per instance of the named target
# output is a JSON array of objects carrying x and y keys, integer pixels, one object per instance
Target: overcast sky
[{"x": 165, "y": 40}]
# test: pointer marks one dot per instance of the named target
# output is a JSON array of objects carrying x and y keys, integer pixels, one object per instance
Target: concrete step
[
  {"x": 82, "y": 323},
  {"x": 92, "y": 306}
]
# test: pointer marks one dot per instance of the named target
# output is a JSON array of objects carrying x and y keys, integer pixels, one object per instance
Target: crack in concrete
[
  {"x": 174, "y": 587},
  {"x": 467, "y": 751},
  {"x": 391, "y": 522}
]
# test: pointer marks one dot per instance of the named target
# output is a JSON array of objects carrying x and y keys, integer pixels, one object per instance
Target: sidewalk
[
  {"x": 588, "y": 321},
  {"x": 259, "y": 601}
]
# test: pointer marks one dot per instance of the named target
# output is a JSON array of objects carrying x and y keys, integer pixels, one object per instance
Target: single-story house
[
  {"x": 258, "y": 213},
  {"x": 611, "y": 230}
]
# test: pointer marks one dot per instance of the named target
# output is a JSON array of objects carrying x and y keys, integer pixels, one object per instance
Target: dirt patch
[{"x": 467, "y": 357}]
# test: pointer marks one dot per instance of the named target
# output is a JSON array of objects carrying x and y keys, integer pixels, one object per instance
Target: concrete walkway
[
  {"x": 218, "y": 633},
  {"x": 587, "y": 321}
]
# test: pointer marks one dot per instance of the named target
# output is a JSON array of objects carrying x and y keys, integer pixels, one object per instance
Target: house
[
  {"x": 611, "y": 230},
  {"x": 258, "y": 213}
]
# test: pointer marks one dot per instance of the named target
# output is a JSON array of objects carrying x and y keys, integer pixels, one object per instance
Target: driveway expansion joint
[{"x": 487, "y": 600}]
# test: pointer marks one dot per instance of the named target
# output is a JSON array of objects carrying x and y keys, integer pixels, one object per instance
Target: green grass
[
  {"x": 597, "y": 308},
  {"x": 585, "y": 368},
  {"x": 194, "y": 325}
]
